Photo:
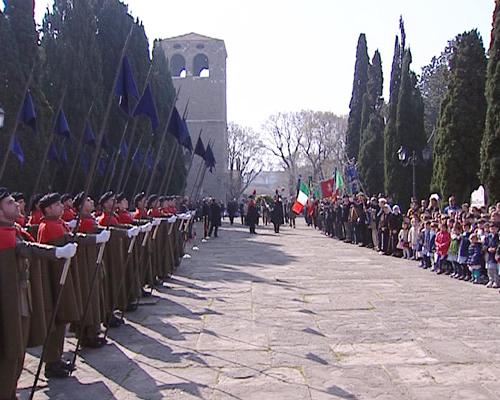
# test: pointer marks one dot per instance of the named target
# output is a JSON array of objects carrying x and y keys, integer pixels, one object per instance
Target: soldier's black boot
[{"x": 56, "y": 370}]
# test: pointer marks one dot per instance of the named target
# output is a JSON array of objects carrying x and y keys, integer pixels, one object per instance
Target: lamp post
[
  {"x": 413, "y": 160},
  {"x": 2, "y": 117}
]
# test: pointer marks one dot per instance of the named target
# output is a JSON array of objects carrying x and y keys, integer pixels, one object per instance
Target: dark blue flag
[
  {"x": 88, "y": 135},
  {"x": 28, "y": 113},
  {"x": 146, "y": 106},
  {"x": 125, "y": 86},
  {"x": 200, "y": 148},
  {"x": 84, "y": 162},
  {"x": 175, "y": 125},
  {"x": 15, "y": 148},
  {"x": 64, "y": 155},
  {"x": 62, "y": 127},
  {"x": 185, "y": 139},
  {"x": 106, "y": 145},
  {"x": 137, "y": 158},
  {"x": 53, "y": 156},
  {"x": 123, "y": 150},
  {"x": 209, "y": 158},
  {"x": 149, "y": 160},
  {"x": 101, "y": 167}
]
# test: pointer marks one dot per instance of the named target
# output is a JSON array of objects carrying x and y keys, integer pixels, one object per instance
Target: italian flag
[{"x": 302, "y": 198}]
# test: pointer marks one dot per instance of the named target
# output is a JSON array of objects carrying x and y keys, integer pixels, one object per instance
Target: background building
[{"x": 198, "y": 67}]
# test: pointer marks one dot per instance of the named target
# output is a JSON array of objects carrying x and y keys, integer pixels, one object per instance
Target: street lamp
[
  {"x": 2, "y": 117},
  {"x": 405, "y": 160}
]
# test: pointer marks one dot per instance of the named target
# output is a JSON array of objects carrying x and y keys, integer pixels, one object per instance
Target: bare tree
[
  {"x": 245, "y": 152},
  {"x": 283, "y": 140},
  {"x": 323, "y": 140}
]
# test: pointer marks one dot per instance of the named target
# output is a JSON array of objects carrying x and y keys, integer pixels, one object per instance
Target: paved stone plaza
[{"x": 296, "y": 316}]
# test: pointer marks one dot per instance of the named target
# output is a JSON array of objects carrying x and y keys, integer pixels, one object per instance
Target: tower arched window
[
  {"x": 178, "y": 66},
  {"x": 201, "y": 66}
]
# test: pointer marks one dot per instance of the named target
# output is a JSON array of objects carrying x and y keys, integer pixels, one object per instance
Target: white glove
[
  {"x": 72, "y": 223},
  {"x": 146, "y": 227},
  {"x": 172, "y": 219},
  {"x": 156, "y": 221},
  {"x": 67, "y": 251},
  {"x": 134, "y": 231},
  {"x": 103, "y": 237}
]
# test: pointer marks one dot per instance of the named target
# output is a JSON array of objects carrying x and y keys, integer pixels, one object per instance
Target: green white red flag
[{"x": 302, "y": 198}]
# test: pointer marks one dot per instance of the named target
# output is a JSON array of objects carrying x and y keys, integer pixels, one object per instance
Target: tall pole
[
  {"x": 86, "y": 190},
  {"x": 131, "y": 167},
  {"x": 414, "y": 161},
  {"x": 16, "y": 123},
  {"x": 69, "y": 184},
  {"x": 190, "y": 165}
]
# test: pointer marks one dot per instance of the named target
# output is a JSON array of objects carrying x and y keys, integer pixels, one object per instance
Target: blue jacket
[
  {"x": 490, "y": 241},
  {"x": 463, "y": 250},
  {"x": 475, "y": 254},
  {"x": 429, "y": 241}
]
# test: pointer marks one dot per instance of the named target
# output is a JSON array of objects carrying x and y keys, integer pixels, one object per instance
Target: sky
[{"x": 289, "y": 55}]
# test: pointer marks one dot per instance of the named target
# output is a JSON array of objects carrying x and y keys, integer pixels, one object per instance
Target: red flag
[{"x": 327, "y": 188}]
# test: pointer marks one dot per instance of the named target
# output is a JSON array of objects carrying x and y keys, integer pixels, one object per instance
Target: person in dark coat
[
  {"x": 215, "y": 218},
  {"x": 252, "y": 217},
  {"x": 232, "y": 209},
  {"x": 277, "y": 217}
]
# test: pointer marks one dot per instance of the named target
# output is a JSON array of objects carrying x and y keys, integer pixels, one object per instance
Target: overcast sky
[{"x": 287, "y": 55}]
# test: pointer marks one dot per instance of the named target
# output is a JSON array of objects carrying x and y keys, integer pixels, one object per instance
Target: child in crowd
[
  {"x": 463, "y": 253},
  {"x": 474, "y": 259},
  {"x": 490, "y": 247},
  {"x": 403, "y": 240},
  {"x": 428, "y": 245},
  {"x": 456, "y": 235},
  {"x": 414, "y": 238},
  {"x": 443, "y": 240}
]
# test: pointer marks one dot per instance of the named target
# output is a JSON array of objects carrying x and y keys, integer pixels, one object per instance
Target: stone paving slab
[{"x": 295, "y": 316}]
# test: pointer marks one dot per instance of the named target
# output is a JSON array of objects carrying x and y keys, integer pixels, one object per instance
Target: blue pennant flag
[
  {"x": 101, "y": 166},
  {"x": 84, "y": 162},
  {"x": 62, "y": 127},
  {"x": 137, "y": 158},
  {"x": 123, "y": 150},
  {"x": 15, "y": 148},
  {"x": 209, "y": 158},
  {"x": 106, "y": 145},
  {"x": 146, "y": 106},
  {"x": 64, "y": 155},
  {"x": 88, "y": 135},
  {"x": 162, "y": 167},
  {"x": 28, "y": 113},
  {"x": 149, "y": 160},
  {"x": 185, "y": 139},
  {"x": 125, "y": 86},
  {"x": 175, "y": 125},
  {"x": 53, "y": 156},
  {"x": 199, "y": 150}
]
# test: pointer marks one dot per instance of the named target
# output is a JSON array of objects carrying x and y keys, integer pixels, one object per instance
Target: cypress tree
[
  {"x": 353, "y": 134},
  {"x": 371, "y": 152},
  {"x": 410, "y": 131},
  {"x": 391, "y": 146},
  {"x": 21, "y": 15},
  {"x": 490, "y": 149},
  {"x": 461, "y": 120}
]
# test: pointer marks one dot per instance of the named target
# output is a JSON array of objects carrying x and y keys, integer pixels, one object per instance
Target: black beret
[
  {"x": 48, "y": 200},
  {"x": 139, "y": 196},
  {"x": 78, "y": 200},
  {"x": 152, "y": 199},
  {"x": 105, "y": 197},
  {"x": 65, "y": 197},
  {"x": 120, "y": 196},
  {"x": 4, "y": 193},
  {"x": 18, "y": 196},
  {"x": 161, "y": 199}
]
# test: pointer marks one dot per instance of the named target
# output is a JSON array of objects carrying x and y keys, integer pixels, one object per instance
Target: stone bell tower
[{"x": 198, "y": 67}]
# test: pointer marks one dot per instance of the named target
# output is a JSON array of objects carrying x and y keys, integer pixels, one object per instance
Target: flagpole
[
  {"x": 170, "y": 171},
  {"x": 49, "y": 144},
  {"x": 69, "y": 184},
  {"x": 16, "y": 123},
  {"x": 162, "y": 188},
  {"x": 210, "y": 143},
  {"x": 86, "y": 190},
  {"x": 131, "y": 167},
  {"x": 190, "y": 165},
  {"x": 162, "y": 141},
  {"x": 197, "y": 177},
  {"x": 143, "y": 167}
]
